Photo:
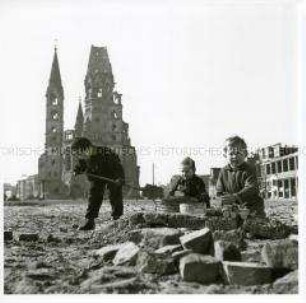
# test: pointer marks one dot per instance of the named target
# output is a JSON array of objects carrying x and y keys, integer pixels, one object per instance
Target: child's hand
[{"x": 228, "y": 199}]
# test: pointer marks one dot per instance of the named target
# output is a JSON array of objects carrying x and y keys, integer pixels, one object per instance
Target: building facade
[{"x": 278, "y": 172}]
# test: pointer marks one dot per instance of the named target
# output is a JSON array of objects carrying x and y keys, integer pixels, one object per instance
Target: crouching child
[{"x": 237, "y": 182}]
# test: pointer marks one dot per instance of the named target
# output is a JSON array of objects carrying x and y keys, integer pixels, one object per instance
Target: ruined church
[{"x": 101, "y": 121}]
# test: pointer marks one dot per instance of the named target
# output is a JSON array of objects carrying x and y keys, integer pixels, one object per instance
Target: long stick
[{"x": 112, "y": 181}]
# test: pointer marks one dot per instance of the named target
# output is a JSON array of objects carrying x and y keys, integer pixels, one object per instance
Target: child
[
  {"x": 189, "y": 184},
  {"x": 237, "y": 182}
]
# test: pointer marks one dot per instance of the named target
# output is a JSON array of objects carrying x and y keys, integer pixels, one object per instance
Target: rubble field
[{"x": 147, "y": 251}]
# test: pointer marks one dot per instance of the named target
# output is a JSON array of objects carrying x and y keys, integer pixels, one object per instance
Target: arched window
[
  {"x": 99, "y": 92},
  {"x": 114, "y": 114},
  {"x": 54, "y": 130},
  {"x": 55, "y": 116},
  {"x": 55, "y": 101}
]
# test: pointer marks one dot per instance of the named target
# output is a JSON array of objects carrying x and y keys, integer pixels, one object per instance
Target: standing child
[{"x": 237, "y": 183}]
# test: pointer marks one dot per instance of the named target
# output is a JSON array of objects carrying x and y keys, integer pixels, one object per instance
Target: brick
[
  {"x": 199, "y": 241},
  {"x": 246, "y": 273},
  {"x": 282, "y": 254},
  {"x": 199, "y": 268}
]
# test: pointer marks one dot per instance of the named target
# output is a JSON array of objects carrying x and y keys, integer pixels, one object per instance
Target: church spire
[
  {"x": 55, "y": 75},
  {"x": 78, "y": 127}
]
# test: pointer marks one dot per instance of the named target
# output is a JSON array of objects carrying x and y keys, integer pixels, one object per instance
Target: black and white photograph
[{"x": 150, "y": 147}]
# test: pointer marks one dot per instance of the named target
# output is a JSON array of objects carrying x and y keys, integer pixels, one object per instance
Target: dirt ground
[{"x": 62, "y": 261}]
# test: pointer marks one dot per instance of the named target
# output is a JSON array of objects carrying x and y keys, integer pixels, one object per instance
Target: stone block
[
  {"x": 281, "y": 254},
  {"x": 127, "y": 254},
  {"x": 199, "y": 268},
  {"x": 200, "y": 241},
  {"x": 235, "y": 236},
  {"x": 265, "y": 228},
  {"x": 155, "y": 238},
  {"x": 151, "y": 263},
  {"x": 227, "y": 251},
  {"x": 288, "y": 284},
  {"x": 107, "y": 253},
  {"x": 29, "y": 237},
  {"x": 8, "y": 235},
  {"x": 180, "y": 254},
  {"x": 246, "y": 273}
]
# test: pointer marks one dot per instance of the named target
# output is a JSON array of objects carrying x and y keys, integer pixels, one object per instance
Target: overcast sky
[{"x": 191, "y": 74}]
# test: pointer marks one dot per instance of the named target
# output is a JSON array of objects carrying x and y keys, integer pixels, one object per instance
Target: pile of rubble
[
  {"x": 152, "y": 252},
  {"x": 198, "y": 257}
]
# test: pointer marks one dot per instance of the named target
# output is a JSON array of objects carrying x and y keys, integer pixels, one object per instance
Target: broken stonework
[
  {"x": 200, "y": 241},
  {"x": 8, "y": 235},
  {"x": 156, "y": 237},
  {"x": 155, "y": 219},
  {"x": 28, "y": 237},
  {"x": 199, "y": 268},
  {"x": 235, "y": 236},
  {"x": 251, "y": 256},
  {"x": 107, "y": 253},
  {"x": 287, "y": 284},
  {"x": 227, "y": 251},
  {"x": 264, "y": 228},
  {"x": 127, "y": 254},
  {"x": 246, "y": 273},
  {"x": 109, "y": 278},
  {"x": 151, "y": 263},
  {"x": 283, "y": 254},
  {"x": 168, "y": 250},
  {"x": 221, "y": 223},
  {"x": 180, "y": 254}
]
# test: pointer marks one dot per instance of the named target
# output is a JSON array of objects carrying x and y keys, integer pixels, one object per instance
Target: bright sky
[{"x": 191, "y": 74}]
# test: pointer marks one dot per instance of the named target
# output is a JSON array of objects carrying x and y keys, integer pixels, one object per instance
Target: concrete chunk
[
  {"x": 127, "y": 254},
  {"x": 168, "y": 250},
  {"x": 151, "y": 263},
  {"x": 246, "y": 273},
  {"x": 200, "y": 241},
  {"x": 282, "y": 254},
  {"x": 199, "y": 268},
  {"x": 107, "y": 253}
]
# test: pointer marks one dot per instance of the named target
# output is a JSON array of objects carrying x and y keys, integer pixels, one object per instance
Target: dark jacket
[
  {"x": 191, "y": 187},
  {"x": 241, "y": 181},
  {"x": 103, "y": 162}
]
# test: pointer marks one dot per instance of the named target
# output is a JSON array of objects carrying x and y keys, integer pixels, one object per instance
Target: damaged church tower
[
  {"x": 50, "y": 162},
  {"x": 103, "y": 121}
]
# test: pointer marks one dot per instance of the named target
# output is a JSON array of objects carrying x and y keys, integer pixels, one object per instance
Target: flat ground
[{"x": 61, "y": 260}]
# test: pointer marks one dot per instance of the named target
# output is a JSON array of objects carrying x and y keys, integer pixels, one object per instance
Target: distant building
[
  {"x": 28, "y": 188},
  {"x": 278, "y": 176},
  {"x": 9, "y": 191}
]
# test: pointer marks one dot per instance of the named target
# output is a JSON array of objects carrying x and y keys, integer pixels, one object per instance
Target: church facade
[{"x": 101, "y": 122}]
